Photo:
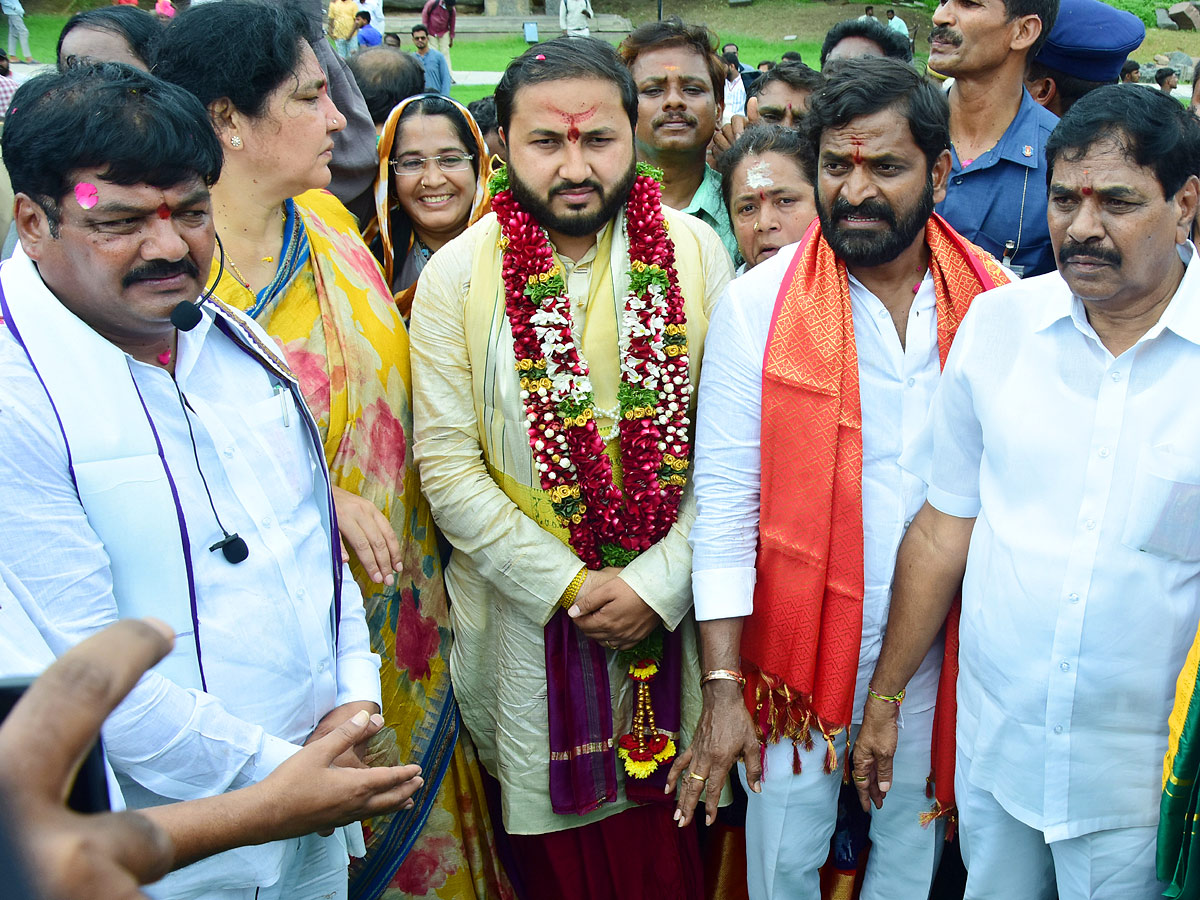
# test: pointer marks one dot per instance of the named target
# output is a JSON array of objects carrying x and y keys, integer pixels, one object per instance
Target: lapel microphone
[
  {"x": 186, "y": 316},
  {"x": 232, "y": 547}
]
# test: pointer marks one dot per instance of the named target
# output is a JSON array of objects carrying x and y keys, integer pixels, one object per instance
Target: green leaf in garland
[
  {"x": 641, "y": 279},
  {"x": 539, "y": 291},
  {"x": 650, "y": 647},
  {"x": 649, "y": 171},
  {"x": 630, "y": 397},
  {"x": 616, "y": 555},
  {"x": 571, "y": 408},
  {"x": 499, "y": 181}
]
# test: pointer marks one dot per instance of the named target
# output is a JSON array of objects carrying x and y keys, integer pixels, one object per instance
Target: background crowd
[{"x": 368, "y": 230}]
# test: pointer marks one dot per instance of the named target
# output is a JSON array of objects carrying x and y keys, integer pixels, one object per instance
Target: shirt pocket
[
  {"x": 1164, "y": 508},
  {"x": 282, "y": 438}
]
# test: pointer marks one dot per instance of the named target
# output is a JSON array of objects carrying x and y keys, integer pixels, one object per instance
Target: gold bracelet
[
  {"x": 722, "y": 675},
  {"x": 894, "y": 698},
  {"x": 568, "y": 596}
]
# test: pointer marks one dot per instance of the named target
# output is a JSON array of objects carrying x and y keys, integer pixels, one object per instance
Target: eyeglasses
[{"x": 449, "y": 162}]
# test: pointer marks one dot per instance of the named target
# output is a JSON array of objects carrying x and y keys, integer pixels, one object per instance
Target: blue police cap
[{"x": 1091, "y": 40}]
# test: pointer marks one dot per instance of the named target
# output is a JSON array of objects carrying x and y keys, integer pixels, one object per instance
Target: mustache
[
  {"x": 566, "y": 186},
  {"x": 944, "y": 33},
  {"x": 160, "y": 268},
  {"x": 1072, "y": 249},
  {"x": 869, "y": 209},
  {"x": 685, "y": 117}
]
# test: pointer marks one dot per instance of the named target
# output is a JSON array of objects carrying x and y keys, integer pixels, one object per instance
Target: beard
[
  {"x": 867, "y": 248},
  {"x": 574, "y": 223}
]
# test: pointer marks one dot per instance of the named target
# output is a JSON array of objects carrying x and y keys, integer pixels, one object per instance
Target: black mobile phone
[{"x": 89, "y": 793}]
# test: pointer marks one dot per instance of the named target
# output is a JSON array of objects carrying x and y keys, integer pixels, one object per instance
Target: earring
[{"x": 235, "y": 142}]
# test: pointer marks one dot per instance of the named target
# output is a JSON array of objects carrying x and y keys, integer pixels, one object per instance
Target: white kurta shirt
[
  {"x": 266, "y": 625},
  {"x": 1082, "y": 594},
  {"x": 896, "y": 385}
]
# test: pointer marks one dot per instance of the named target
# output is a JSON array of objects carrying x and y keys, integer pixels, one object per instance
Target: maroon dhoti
[{"x": 640, "y": 854}]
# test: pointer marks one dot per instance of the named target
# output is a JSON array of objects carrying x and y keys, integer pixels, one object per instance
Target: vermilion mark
[
  {"x": 164, "y": 211},
  {"x": 572, "y": 121},
  {"x": 762, "y": 196},
  {"x": 858, "y": 157},
  {"x": 1087, "y": 192}
]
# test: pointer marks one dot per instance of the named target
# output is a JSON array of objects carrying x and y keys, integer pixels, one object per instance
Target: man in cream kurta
[{"x": 508, "y": 572}]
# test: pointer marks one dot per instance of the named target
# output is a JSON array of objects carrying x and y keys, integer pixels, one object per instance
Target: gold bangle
[
  {"x": 568, "y": 596},
  {"x": 722, "y": 675}
]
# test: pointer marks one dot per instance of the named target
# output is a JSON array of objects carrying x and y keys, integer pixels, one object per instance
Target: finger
[
  {"x": 360, "y": 543},
  {"x": 690, "y": 791},
  {"x": 863, "y": 775},
  {"x": 752, "y": 758},
  {"x": 716, "y": 782},
  {"x": 136, "y": 844},
  {"x": 392, "y": 542},
  {"x": 677, "y": 768},
  {"x": 346, "y": 735},
  {"x": 345, "y": 552},
  {"x": 590, "y": 602},
  {"x": 752, "y": 110},
  {"x": 883, "y": 768},
  {"x": 63, "y": 710}
]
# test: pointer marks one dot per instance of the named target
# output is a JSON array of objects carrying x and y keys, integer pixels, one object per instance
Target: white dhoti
[
  {"x": 1006, "y": 858},
  {"x": 789, "y": 825}
]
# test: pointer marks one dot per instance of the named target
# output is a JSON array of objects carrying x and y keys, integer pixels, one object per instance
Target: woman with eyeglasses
[
  {"x": 432, "y": 184},
  {"x": 294, "y": 260}
]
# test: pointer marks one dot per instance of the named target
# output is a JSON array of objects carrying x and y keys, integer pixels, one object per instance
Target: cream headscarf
[{"x": 385, "y": 194}]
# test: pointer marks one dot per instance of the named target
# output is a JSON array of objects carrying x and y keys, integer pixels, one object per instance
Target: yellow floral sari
[{"x": 330, "y": 311}]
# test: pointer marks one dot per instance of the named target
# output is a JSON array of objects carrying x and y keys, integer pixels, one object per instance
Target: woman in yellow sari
[
  {"x": 293, "y": 259},
  {"x": 431, "y": 186}
]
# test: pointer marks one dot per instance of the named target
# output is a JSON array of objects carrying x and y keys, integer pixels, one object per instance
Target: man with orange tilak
[
  {"x": 801, "y": 500},
  {"x": 554, "y": 348},
  {"x": 680, "y": 94}
]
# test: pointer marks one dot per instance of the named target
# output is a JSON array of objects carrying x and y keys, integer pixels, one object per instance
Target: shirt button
[
  {"x": 1103, "y": 451},
  {"x": 1065, "y": 666},
  {"x": 266, "y": 522},
  {"x": 321, "y": 667},
  {"x": 1090, "y": 524},
  {"x": 229, "y": 452},
  {"x": 907, "y": 522},
  {"x": 883, "y": 314},
  {"x": 1116, "y": 376},
  {"x": 1058, "y": 729},
  {"x": 1074, "y": 598},
  {"x": 301, "y": 593},
  {"x": 958, "y": 181},
  {"x": 911, "y": 382}
]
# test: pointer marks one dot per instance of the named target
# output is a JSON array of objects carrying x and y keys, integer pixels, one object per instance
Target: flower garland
[{"x": 608, "y": 526}]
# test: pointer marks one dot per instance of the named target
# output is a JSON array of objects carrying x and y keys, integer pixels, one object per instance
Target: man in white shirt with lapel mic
[{"x": 159, "y": 460}]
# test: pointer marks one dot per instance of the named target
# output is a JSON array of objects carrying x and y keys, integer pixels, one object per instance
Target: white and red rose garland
[{"x": 608, "y": 526}]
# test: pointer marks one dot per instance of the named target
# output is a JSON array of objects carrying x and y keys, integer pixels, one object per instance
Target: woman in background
[{"x": 431, "y": 186}]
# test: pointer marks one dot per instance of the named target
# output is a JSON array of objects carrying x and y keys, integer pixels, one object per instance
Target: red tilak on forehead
[
  {"x": 762, "y": 195},
  {"x": 1087, "y": 191},
  {"x": 164, "y": 211},
  {"x": 858, "y": 157},
  {"x": 573, "y": 119}
]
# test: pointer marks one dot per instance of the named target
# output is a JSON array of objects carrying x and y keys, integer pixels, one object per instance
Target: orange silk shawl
[{"x": 800, "y": 649}]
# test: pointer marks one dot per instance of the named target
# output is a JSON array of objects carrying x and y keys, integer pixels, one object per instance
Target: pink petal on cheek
[{"x": 86, "y": 194}]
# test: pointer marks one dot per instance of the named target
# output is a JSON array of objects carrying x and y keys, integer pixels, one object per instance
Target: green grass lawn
[{"x": 43, "y": 35}]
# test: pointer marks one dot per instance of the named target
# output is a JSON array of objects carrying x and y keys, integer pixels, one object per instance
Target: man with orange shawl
[{"x": 821, "y": 366}]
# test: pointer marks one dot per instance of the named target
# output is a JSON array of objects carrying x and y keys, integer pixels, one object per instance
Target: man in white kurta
[
  {"x": 269, "y": 648},
  {"x": 509, "y": 570},
  {"x": 1061, "y": 449}
]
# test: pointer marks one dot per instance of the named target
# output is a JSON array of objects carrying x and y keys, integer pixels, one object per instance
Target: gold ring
[
  {"x": 697, "y": 777},
  {"x": 859, "y": 778}
]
